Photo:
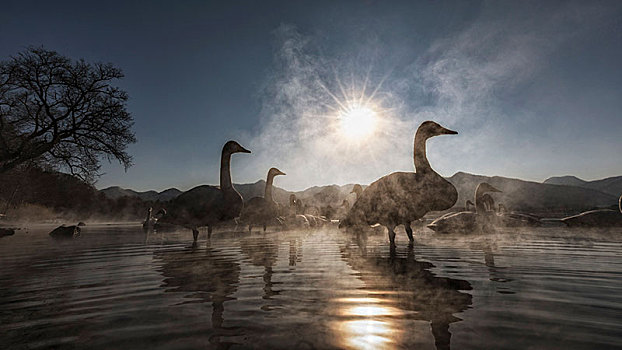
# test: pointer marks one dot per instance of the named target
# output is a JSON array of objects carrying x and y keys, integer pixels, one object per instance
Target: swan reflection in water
[
  {"x": 208, "y": 275},
  {"x": 262, "y": 252},
  {"x": 398, "y": 288}
]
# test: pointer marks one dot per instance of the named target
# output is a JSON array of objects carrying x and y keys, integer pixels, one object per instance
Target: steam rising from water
[{"x": 461, "y": 81}]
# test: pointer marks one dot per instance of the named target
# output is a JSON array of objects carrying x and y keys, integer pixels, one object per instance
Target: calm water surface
[{"x": 117, "y": 287}]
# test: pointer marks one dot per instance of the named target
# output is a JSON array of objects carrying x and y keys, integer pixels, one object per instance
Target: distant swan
[
  {"x": 151, "y": 221},
  {"x": 291, "y": 218},
  {"x": 63, "y": 231},
  {"x": 468, "y": 221},
  {"x": 6, "y": 231},
  {"x": 208, "y": 205},
  {"x": 596, "y": 218},
  {"x": 402, "y": 197},
  {"x": 262, "y": 210},
  {"x": 514, "y": 219}
]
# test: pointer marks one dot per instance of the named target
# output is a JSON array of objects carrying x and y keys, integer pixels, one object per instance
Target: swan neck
[
  {"x": 225, "y": 171},
  {"x": 419, "y": 152},
  {"x": 268, "y": 192}
]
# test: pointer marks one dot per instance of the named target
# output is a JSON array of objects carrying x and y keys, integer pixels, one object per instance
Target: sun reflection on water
[{"x": 369, "y": 323}]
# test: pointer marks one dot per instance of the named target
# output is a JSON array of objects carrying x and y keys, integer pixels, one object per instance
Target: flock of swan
[{"x": 399, "y": 198}]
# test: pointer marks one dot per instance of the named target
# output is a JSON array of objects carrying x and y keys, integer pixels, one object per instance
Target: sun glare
[{"x": 357, "y": 121}]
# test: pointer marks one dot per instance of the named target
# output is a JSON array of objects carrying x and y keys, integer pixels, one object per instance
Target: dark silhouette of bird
[
  {"x": 402, "y": 197},
  {"x": 262, "y": 210},
  {"x": 151, "y": 221},
  {"x": 469, "y": 221},
  {"x": 65, "y": 232},
  {"x": 208, "y": 205}
]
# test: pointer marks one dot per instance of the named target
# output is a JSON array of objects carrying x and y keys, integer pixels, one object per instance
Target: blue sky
[{"x": 533, "y": 88}]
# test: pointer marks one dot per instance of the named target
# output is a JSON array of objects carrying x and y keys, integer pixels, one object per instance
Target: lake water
[{"x": 117, "y": 287}]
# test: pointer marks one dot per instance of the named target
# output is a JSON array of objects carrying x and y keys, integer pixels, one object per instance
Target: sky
[{"x": 534, "y": 88}]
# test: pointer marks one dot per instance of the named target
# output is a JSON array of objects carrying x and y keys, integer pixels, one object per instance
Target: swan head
[
  {"x": 486, "y": 187},
  {"x": 429, "y": 129},
  {"x": 233, "y": 147},
  {"x": 275, "y": 172}
]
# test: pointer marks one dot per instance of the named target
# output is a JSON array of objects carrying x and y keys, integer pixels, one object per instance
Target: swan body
[
  {"x": 595, "y": 218},
  {"x": 208, "y": 205},
  {"x": 262, "y": 210},
  {"x": 403, "y": 197},
  {"x": 514, "y": 219},
  {"x": 468, "y": 221},
  {"x": 63, "y": 231}
]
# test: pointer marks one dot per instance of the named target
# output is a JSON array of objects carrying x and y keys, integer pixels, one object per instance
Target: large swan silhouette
[
  {"x": 208, "y": 205},
  {"x": 262, "y": 210},
  {"x": 402, "y": 197}
]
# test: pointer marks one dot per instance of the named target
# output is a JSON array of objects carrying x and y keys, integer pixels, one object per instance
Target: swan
[
  {"x": 6, "y": 231},
  {"x": 63, "y": 231},
  {"x": 514, "y": 219},
  {"x": 596, "y": 218},
  {"x": 152, "y": 221},
  {"x": 295, "y": 205},
  {"x": 262, "y": 210},
  {"x": 487, "y": 202},
  {"x": 468, "y": 221},
  {"x": 402, "y": 197},
  {"x": 208, "y": 205},
  {"x": 291, "y": 216}
]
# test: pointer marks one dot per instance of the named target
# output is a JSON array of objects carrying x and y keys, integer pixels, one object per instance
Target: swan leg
[
  {"x": 264, "y": 228},
  {"x": 195, "y": 233},
  {"x": 209, "y": 232},
  {"x": 391, "y": 234},
  {"x": 249, "y": 228},
  {"x": 409, "y": 231}
]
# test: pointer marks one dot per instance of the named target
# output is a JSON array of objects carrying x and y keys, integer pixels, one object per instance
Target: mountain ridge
[{"x": 517, "y": 194}]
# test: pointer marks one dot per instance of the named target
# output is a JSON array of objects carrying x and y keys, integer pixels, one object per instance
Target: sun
[{"x": 357, "y": 121}]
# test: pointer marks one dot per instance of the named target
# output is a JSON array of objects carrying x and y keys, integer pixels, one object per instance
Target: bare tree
[{"x": 62, "y": 113}]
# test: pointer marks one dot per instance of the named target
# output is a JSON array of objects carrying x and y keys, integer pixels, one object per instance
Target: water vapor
[{"x": 466, "y": 81}]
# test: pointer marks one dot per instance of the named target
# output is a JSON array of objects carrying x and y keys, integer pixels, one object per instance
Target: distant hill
[
  {"x": 557, "y": 196},
  {"x": 611, "y": 185},
  {"x": 533, "y": 196},
  {"x": 116, "y": 192},
  {"x": 567, "y": 180}
]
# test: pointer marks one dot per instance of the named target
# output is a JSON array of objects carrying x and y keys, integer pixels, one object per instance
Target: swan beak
[
  {"x": 446, "y": 131},
  {"x": 494, "y": 189},
  {"x": 244, "y": 150},
  {"x": 281, "y": 173}
]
